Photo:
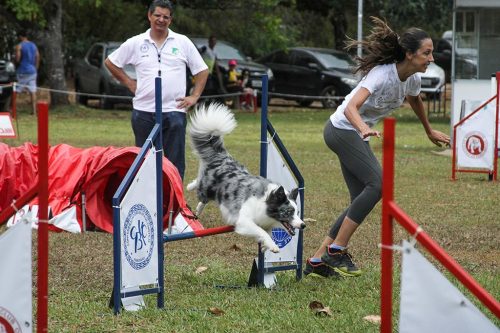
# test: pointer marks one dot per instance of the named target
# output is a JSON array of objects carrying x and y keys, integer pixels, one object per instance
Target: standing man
[
  {"x": 214, "y": 82},
  {"x": 160, "y": 52},
  {"x": 28, "y": 61}
]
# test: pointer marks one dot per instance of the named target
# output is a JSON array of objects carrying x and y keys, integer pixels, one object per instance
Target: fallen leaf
[
  {"x": 201, "y": 269},
  {"x": 375, "y": 319},
  {"x": 235, "y": 247},
  {"x": 216, "y": 311},
  {"x": 315, "y": 305},
  {"x": 319, "y": 309}
]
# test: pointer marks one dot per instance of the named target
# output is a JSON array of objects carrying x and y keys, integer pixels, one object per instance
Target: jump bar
[{"x": 198, "y": 233}]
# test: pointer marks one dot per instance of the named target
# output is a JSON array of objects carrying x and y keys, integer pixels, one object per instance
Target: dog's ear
[
  {"x": 293, "y": 195},
  {"x": 278, "y": 196}
]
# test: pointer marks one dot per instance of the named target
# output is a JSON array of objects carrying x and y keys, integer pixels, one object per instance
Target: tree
[
  {"x": 336, "y": 13},
  {"x": 43, "y": 17}
]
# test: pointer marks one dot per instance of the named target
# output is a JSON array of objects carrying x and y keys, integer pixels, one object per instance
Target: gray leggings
[{"x": 361, "y": 170}]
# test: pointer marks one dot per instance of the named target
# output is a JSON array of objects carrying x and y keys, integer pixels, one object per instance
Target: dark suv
[
  {"x": 302, "y": 73},
  {"x": 7, "y": 77}
]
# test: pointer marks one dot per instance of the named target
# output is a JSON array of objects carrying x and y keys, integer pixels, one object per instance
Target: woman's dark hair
[
  {"x": 384, "y": 46},
  {"x": 163, "y": 4}
]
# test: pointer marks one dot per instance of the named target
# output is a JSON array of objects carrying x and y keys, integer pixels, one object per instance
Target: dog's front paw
[
  {"x": 191, "y": 186},
  {"x": 273, "y": 248}
]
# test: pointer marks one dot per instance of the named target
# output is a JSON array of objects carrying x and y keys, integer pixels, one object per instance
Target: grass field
[{"x": 463, "y": 216}]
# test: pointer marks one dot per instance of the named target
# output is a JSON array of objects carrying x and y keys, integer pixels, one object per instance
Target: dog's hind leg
[
  {"x": 193, "y": 185},
  {"x": 247, "y": 227}
]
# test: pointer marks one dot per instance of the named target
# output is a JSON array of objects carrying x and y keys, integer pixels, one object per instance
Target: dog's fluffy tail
[{"x": 209, "y": 124}]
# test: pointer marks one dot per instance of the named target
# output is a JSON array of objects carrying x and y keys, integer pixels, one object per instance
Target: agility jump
[
  {"x": 390, "y": 212},
  {"x": 127, "y": 284}
]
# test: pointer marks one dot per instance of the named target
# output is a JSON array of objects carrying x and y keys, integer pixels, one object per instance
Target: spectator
[
  {"x": 247, "y": 99},
  {"x": 233, "y": 82},
  {"x": 161, "y": 52},
  {"x": 28, "y": 62},
  {"x": 214, "y": 82}
]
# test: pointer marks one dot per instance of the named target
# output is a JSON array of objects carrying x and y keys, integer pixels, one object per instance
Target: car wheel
[
  {"x": 81, "y": 99},
  {"x": 305, "y": 102},
  {"x": 328, "y": 103},
  {"x": 104, "y": 103}
]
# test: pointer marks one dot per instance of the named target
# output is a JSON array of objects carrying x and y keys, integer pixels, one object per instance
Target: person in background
[
  {"x": 161, "y": 52},
  {"x": 214, "y": 81},
  {"x": 28, "y": 62},
  {"x": 390, "y": 66},
  {"x": 233, "y": 84},
  {"x": 247, "y": 99}
]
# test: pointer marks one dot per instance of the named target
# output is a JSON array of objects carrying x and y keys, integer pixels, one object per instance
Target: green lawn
[{"x": 463, "y": 216}]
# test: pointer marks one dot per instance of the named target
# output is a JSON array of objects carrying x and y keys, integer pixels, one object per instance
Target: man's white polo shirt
[{"x": 171, "y": 58}]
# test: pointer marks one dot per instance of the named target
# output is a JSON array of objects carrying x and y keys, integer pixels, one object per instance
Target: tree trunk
[
  {"x": 52, "y": 55},
  {"x": 339, "y": 22}
]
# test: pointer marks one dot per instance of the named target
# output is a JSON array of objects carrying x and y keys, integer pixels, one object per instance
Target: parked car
[
  {"x": 465, "y": 60},
  {"x": 433, "y": 81},
  {"x": 306, "y": 71},
  {"x": 7, "y": 77},
  {"x": 92, "y": 77},
  {"x": 227, "y": 51}
]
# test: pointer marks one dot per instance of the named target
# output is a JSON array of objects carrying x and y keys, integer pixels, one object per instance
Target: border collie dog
[{"x": 252, "y": 204}]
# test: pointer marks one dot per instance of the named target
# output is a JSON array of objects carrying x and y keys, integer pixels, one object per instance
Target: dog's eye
[{"x": 286, "y": 212}]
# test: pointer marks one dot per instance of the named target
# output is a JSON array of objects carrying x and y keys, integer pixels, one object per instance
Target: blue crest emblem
[
  {"x": 144, "y": 48},
  {"x": 280, "y": 237},
  {"x": 138, "y": 236}
]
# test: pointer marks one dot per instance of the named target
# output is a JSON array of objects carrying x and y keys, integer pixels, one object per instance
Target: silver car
[{"x": 94, "y": 81}]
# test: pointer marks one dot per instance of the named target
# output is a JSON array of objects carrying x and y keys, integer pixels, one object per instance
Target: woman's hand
[
  {"x": 438, "y": 138},
  {"x": 367, "y": 131}
]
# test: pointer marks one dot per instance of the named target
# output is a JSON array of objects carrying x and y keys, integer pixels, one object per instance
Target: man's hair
[
  {"x": 22, "y": 33},
  {"x": 163, "y": 4}
]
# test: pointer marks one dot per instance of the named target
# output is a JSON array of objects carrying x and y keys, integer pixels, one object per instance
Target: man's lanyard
[{"x": 158, "y": 52}]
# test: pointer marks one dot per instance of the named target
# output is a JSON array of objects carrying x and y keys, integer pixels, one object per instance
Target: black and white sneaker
[
  {"x": 341, "y": 262},
  {"x": 319, "y": 270}
]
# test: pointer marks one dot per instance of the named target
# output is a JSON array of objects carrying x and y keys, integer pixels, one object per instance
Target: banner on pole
[
  {"x": 476, "y": 138},
  {"x": 6, "y": 127},
  {"x": 15, "y": 278},
  {"x": 139, "y": 252},
  {"x": 430, "y": 303},
  {"x": 278, "y": 172}
]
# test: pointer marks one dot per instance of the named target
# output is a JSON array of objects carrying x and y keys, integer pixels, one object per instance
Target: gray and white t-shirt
[{"x": 387, "y": 92}]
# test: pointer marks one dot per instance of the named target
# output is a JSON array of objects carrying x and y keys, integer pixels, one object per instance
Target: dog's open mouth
[{"x": 288, "y": 227}]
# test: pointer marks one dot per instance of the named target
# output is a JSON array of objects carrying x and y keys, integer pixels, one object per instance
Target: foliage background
[{"x": 257, "y": 26}]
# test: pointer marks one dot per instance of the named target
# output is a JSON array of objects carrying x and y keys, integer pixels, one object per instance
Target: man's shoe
[
  {"x": 319, "y": 270},
  {"x": 341, "y": 262}
]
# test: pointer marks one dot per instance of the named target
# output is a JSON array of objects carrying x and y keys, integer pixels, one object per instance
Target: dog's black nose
[{"x": 302, "y": 225}]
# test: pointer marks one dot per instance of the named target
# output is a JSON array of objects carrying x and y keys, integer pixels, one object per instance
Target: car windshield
[
  {"x": 225, "y": 51},
  {"x": 334, "y": 60}
]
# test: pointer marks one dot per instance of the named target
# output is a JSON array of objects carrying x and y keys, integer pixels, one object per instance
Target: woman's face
[{"x": 423, "y": 57}]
